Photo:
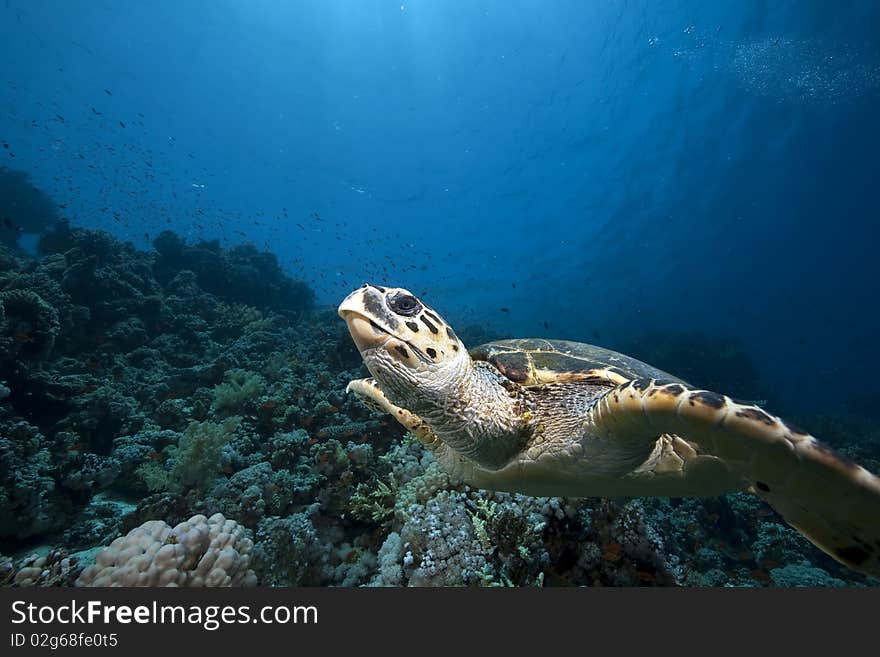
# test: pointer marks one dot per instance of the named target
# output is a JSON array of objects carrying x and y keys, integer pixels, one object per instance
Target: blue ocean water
[
  {"x": 694, "y": 183},
  {"x": 607, "y": 168}
]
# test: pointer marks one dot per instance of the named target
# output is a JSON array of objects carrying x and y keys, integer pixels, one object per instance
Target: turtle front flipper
[
  {"x": 832, "y": 501},
  {"x": 371, "y": 395}
]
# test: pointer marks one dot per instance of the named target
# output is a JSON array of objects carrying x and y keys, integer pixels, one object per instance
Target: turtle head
[{"x": 407, "y": 346}]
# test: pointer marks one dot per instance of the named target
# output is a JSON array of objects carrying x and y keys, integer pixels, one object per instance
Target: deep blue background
[{"x": 606, "y": 167}]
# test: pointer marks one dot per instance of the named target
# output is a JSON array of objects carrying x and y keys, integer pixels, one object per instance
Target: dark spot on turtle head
[
  {"x": 451, "y": 334},
  {"x": 434, "y": 317},
  {"x": 402, "y": 351},
  {"x": 641, "y": 384},
  {"x": 413, "y": 327},
  {"x": 853, "y": 554},
  {"x": 427, "y": 322},
  {"x": 795, "y": 429},
  {"x": 374, "y": 306},
  {"x": 711, "y": 399},
  {"x": 760, "y": 485},
  {"x": 675, "y": 390},
  {"x": 756, "y": 414},
  {"x": 431, "y": 352},
  {"x": 455, "y": 347}
]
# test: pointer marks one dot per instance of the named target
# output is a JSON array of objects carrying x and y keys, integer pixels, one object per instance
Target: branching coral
[
  {"x": 239, "y": 388},
  {"x": 196, "y": 458},
  {"x": 375, "y": 503}
]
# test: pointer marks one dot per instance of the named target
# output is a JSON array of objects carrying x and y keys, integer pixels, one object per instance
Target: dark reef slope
[
  {"x": 196, "y": 380},
  {"x": 24, "y": 208}
]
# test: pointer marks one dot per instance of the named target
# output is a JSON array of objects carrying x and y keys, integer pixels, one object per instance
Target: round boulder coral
[{"x": 198, "y": 552}]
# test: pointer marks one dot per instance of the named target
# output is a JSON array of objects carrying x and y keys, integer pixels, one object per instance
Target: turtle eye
[{"x": 404, "y": 304}]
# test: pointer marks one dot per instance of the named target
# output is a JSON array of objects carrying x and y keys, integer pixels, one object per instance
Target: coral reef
[
  {"x": 54, "y": 568},
  {"x": 146, "y": 398},
  {"x": 242, "y": 274}
]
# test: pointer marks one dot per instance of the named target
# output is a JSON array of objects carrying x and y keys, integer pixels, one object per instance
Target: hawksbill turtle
[{"x": 556, "y": 418}]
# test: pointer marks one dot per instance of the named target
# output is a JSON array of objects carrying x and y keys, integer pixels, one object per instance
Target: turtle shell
[{"x": 535, "y": 361}]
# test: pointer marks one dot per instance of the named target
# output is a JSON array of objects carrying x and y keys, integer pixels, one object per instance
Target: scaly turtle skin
[{"x": 548, "y": 417}]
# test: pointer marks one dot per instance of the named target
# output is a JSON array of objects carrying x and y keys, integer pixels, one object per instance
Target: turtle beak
[{"x": 365, "y": 333}]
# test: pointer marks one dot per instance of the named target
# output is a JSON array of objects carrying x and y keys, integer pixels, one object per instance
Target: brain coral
[{"x": 198, "y": 552}]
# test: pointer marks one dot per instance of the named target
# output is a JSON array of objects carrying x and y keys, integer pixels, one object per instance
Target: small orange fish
[{"x": 23, "y": 337}]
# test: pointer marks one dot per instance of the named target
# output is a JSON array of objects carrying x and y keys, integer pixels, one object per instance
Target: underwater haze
[
  {"x": 692, "y": 183},
  {"x": 609, "y": 168},
  {"x": 628, "y": 167}
]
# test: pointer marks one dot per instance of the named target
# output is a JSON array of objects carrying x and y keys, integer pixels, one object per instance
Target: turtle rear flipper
[{"x": 832, "y": 501}]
